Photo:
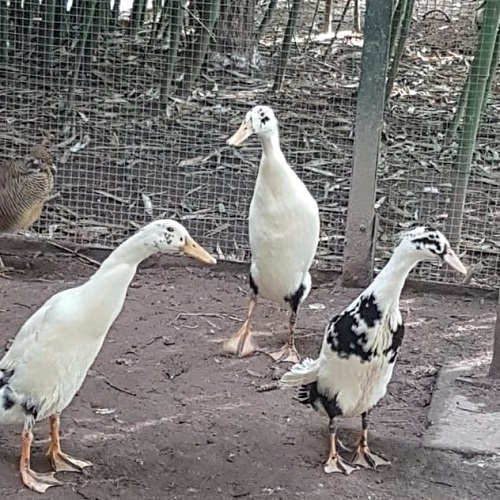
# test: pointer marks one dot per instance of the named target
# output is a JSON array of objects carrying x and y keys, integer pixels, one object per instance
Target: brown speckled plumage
[{"x": 24, "y": 187}]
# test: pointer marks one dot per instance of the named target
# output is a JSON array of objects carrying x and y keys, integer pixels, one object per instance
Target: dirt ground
[{"x": 163, "y": 414}]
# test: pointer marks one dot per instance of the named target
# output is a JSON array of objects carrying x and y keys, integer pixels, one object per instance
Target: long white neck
[
  {"x": 127, "y": 256},
  {"x": 390, "y": 281},
  {"x": 274, "y": 171},
  {"x": 271, "y": 148}
]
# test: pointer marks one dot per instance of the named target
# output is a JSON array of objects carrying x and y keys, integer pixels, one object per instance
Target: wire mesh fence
[
  {"x": 420, "y": 149},
  {"x": 138, "y": 99},
  {"x": 132, "y": 146}
]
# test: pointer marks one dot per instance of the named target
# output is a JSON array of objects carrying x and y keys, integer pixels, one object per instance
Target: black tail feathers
[
  {"x": 308, "y": 394},
  {"x": 5, "y": 376}
]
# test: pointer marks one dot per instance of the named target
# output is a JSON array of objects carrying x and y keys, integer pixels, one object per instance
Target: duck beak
[
  {"x": 196, "y": 251},
  {"x": 451, "y": 258},
  {"x": 242, "y": 134}
]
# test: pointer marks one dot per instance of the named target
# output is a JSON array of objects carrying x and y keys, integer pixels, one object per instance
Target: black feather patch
[
  {"x": 296, "y": 298},
  {"x": 309, "y": 395},
  {"x": 8, "y": 399},
  {"x": 347, "y": 332},
  {"x": 253, "y": 286},
  {"x": 432, "y": 243},
  {"x": 263, "y": 117},
  {"x": 397, "y": 339},
  {"x": 369, "y": 311},
  {"x": 5, "y": 376},
  {"x": 345, "y": 340},
  {"x": 30, "y": 409}
]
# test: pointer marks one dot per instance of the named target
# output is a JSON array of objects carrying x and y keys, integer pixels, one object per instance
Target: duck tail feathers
[
  {"x": 9, "y": 400},
  {"x": 303, "y": 373}
]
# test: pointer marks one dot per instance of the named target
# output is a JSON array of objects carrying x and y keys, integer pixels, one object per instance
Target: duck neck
[
  {"x": 390, "y": 281},
  {"x": 271, "y": 148},
  {"x": 130, "y": 253}
]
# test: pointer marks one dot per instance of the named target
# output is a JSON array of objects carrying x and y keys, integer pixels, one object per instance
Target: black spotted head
[
  {"x": 167, "y": 235},
  {"x": 427, "y": 243},
  {"x": 259, "y": 120}
]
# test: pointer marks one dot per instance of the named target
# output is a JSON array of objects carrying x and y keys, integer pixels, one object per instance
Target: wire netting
[
  {"x": 139, "y": 98},
  {"x": 138, "y": 116},
  {"x": 420, "y": 152}
]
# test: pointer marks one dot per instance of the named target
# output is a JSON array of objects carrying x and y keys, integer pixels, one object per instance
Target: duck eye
[{"x": 170, "y": 229}]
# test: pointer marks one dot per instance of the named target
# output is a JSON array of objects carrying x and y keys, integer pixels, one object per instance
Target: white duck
[
  {"x": 360, "y": 346},
  {"x": 53, "y": 351},
  {"x": 283, "y": 233}
]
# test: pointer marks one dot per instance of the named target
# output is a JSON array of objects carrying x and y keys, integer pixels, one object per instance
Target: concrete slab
[{"x": 465, "y": 412}]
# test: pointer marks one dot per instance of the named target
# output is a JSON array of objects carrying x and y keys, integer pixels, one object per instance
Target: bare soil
[{"x": 164, "y": 414}]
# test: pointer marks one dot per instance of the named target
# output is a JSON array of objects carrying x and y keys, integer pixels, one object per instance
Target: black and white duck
[
  {"x": 54, "y": 349},
  {"x": 283, "y": 232},
  {"x": 360, "y": 347}
]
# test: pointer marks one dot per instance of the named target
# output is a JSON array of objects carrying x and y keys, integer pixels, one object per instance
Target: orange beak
[
  {"x": 451, "y": 258},
  {"x": 196, "y": 251},
  {"x": 242, "y": 134}
]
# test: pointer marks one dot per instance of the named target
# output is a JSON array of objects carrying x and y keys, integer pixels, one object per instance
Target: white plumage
[
  {"x": 360, "y": 346},
  {"x": 283, "y": 232},
  {"x": 53, "y": 351}
]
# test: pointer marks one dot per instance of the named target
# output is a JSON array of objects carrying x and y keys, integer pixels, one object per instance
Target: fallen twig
[
  {"x": 119, "y": 389},
  {"x": 77, "y": 254},
  {"x": 208, "y": 315}
]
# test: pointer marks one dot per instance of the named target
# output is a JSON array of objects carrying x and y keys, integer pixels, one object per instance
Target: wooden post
[
  {"x": 361, "y": 224},
  {"x": 495, "y": 362}
]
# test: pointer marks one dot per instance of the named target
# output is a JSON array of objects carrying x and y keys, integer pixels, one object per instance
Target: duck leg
[
  {"x": 243, "y": 343},
  {"x": 288, "y": 352},
  {"x": 60, "y": 461},
  {"x": 364, "y": 457},
  {"x": 334, "y": 463},
  {"x": 33, "y": 480}
]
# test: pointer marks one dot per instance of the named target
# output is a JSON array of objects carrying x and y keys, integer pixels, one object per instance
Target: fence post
[
  {"x": 495, "y": 361},
  {"x": 361, "y": 224}
]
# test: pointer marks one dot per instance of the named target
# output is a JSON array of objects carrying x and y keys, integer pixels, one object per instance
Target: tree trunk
[
  {"x": 22, "y": 14},
  {"x": 116, "y": 12},
  {"x": 137, "y": 15},
  {"x": 328, "y": 20},
  {"x": 287, "y": 43},
  {"x": 46, "y": 40},
  {"x": 208, "y": 11},
  {"x": 397, "y": 21},
  {"x": 479, "y": 73},
  {"x": 357, "y": 17},
  {"x": 84, "y": 45},
  {"x": 400, "y": 45},
  {"x": 493, "y": 70},
  {"x": 102, "y": 16},
  {"x": 267, "y": 18},
  {"x": 60, "y": 23},
  {"x": 235, "y": 30},
  {"x": 459, "y": 113},
  {"x": 4, "y": 31},
  {"x": 175, "y": 15}
]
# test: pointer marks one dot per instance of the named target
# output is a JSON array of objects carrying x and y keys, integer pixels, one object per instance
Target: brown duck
[{"x": 25, "y": 186}]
